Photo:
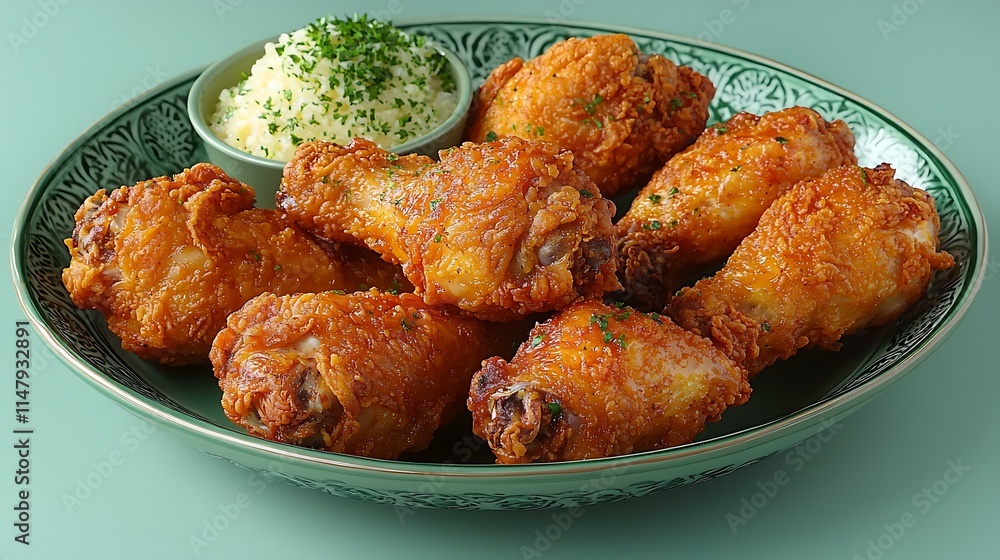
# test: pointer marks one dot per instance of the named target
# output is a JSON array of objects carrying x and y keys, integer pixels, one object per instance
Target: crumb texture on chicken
[
  {"x": 501, "y": 230},
  {"x": 167, "y": 259},
  {"x": 598, "y": 381},
  {"x": 696, "y": 209},
  {"x": 849, "y": 250},
  {"x": 623, "y": 113},
  {"x": 368, "y": 374}
]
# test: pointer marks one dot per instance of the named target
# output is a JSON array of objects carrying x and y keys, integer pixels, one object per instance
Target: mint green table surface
[{"x": 912, "y": 475}]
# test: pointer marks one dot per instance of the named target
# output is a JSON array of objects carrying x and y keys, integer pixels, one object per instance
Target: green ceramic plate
[{"x": 793, "y": 401}]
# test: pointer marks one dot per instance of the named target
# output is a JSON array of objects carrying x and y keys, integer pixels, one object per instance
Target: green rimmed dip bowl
[{"x": 263, "y": 174}]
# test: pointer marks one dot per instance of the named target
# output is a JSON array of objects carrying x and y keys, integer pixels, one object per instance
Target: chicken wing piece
[
  {"x": 598, "y": 381},
  {"x": 704, "y": 201},
  {"x": 851, "y": 249},
  {"x": 301, "y": 369},
  {"x": 168, "y": 259},
  {"x": 501, "y": 230},
  {"x": 621, "y": 112}
]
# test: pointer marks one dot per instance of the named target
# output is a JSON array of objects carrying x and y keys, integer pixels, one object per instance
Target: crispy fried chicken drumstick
[
  {"x": 168, "y": 259},
  {"x": 623, "y": 113},
  {"x": 598, "y": 381},
  {"x": 703, "y": 202},
  {"x": 368, "y": 374},
  {"x": 849, "y": 250},
  {"x": 501, "y": 230}
]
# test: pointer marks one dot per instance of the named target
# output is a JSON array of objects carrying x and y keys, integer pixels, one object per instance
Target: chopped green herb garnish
[
  {"x": 781, "y": 140},
  {"x": 537, "y": 339},
  {"x": 406, "y": 325},
  {"x": 437, "y": 238},
  {"x": 555, "y": 408},
  {"x": 338, "y": 292},
  {"x": 591, "y": 106},
  {"x": 766, "y": 327},
  {"x": 673, "y": 191},
  {"x": 737, "y": 168},
  {"x": 601, "y": 320},
  {"x": 586, "y": 194},
  {"x": 720, "y": 129},
  {"x": 434, "y": 203},
  {"x": 491, "y": 136},
  {"x": 655, "y": 198}
]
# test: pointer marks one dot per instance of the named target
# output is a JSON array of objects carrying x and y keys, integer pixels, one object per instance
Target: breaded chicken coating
[
  {"x": 598, "y": 381},
  {"x": 500, "y": 230},
  {"x": 368, "y": 374},
  {"x": 703, "y": 202},
  {"x": 849, "y": 250},
  {"x": 168, "y": 259},
  {"x": 621, "y": 112}
]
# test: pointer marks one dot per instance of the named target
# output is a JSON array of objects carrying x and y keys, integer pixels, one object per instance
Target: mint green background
[{"x": 939, "y": 72}]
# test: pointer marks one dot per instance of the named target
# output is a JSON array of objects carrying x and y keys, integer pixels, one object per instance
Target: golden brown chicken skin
[
  {"x": 623, "y": 113},
  {"x": 501, "y": 230},
  {"x": 851, "y": 249},
  {"x": 367, "y": 374},
  {"x": 703, "y": 202},
  {"x": 598, "y": 381},
  {"x": 168, "y": 259}
]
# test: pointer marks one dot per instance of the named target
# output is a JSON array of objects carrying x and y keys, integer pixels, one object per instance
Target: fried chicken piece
[
  {"x": 704, "y": 201},
  {"x": 302, "y": 369},
  {"x": 849, "y": 250},
  {"x": 168, "y": 259},
  {"x": 501, "y": 230},
  {"x": 364, "y": 269},
  {"x": 621, "y": 112},
  {"x": 598, "y": 381}
]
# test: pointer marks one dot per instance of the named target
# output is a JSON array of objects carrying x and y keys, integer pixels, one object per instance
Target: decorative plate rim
[{"x": 723, "y": 444}]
